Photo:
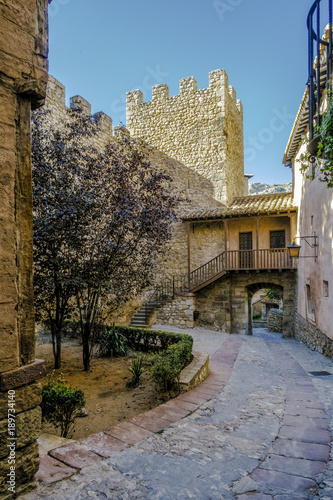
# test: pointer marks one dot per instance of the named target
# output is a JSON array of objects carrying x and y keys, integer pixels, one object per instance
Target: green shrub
[
  {"x": 173, "y": 351},
  {"x": 113, "y": 344},
  {"x": 137, "y": 371},
  {"x": 166, "y": 371},
  {"x": 61, "y": 405}
]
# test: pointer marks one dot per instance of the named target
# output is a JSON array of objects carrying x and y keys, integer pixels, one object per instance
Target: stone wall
[
  {"x": 314, "y": 338},
  {"x": 275, "y": 320},
  {"x": 23, "y": 77},
  {"x": 195, "y": 190},
  {"x": 177, "y": 312},
  {"x": 225, "y": 305},
  {"x": 56, "y": 101},
  {"x": 202, "y": 129}
]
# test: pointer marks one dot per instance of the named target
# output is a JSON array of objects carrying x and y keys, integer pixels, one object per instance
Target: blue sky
[{"x": 100, "y": 49}]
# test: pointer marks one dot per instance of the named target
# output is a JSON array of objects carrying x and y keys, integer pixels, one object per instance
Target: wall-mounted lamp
[{"x": 294, "y": 249}]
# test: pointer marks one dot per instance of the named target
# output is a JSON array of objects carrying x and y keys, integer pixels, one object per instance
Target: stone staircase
[{"x": 142, "y": 315}]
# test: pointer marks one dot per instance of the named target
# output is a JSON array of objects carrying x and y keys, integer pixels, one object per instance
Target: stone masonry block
[
  {"x": 26, "y": 398},
  {"x": 160, "y": 91},
  {"x": 26, "y": 466},
  {"x": 78, "y": 102},
  {"x": 28, "y": 426},
  {"x": 187, "y": 85},
  {"x": 23, "y": 375}
]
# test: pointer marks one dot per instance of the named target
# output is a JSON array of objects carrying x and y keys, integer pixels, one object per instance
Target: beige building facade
[{"x": 314, "y": 305}]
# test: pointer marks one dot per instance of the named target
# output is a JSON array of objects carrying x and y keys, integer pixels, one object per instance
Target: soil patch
[{"x": 108, "y": 400}]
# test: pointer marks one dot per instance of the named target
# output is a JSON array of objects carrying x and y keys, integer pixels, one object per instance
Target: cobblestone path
[{"x": 259, "y": 427}]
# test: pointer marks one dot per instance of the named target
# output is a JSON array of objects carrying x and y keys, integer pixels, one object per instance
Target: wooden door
[{"x": 245, "y": 257}]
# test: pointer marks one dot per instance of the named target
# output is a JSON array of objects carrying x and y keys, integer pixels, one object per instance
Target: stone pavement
[{"x": 259, "y": 427}]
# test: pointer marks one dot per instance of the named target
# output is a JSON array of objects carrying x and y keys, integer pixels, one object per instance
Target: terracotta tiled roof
[{"x": 260, "y": 204}]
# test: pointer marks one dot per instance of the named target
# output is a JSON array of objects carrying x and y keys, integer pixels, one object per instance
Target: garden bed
[{"x": 108, "y": 400}]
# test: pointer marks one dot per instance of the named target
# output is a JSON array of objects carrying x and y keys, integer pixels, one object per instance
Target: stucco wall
[
  {"x": 206, "y": 242},
  {"x": 265, "y": 225},
  {"x": 315, "y": 215}
]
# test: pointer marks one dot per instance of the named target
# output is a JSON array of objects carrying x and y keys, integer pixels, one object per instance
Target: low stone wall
[
  {"x": 314, "y": 338},
  {"x": 196, "y": 372},
  {"x": 177, "y": 312},
  {"x": 275, "y": 320}
]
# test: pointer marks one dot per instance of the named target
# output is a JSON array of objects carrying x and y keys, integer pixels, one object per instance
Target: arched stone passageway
[
  {"x": 226, "y": 304},
  {"x": 251, "y": 290}
]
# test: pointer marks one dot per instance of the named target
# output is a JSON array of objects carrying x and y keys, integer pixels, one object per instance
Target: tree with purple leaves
[{"x": 101, "y": 218}]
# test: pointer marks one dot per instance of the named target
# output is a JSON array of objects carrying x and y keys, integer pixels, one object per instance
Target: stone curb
[{"x": 196, "y": 372}]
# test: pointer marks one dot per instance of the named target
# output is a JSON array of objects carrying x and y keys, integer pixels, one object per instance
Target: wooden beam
[
  {"x": 257, "y": 233},
  {"x": 225, "y": 236}
]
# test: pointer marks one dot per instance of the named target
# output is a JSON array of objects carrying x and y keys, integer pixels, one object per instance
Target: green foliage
[
  {"x": 137, "y": 371},
  {"x": 272, "y": 294},
  {"x": 149, "y": 359},
  {"x": 113, "y": 344},
  {"x": 322, "y": 159},
  {"x": 61, "y": 405},
  {"x": 173, "y": 351},
  {"x": 166, "y": 371},
  {"x": 257, "y": 317}
]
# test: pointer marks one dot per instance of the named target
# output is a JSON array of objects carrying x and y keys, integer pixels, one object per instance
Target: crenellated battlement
[
  {"x": 218, "y": 83},
  {"x": 160, "y": 92},
  {"x": 203, "y": 128},
  {"x": 56, "y": 100},
  {"x": 188, "y": 85},
  {"x": 77, "y": 102}
]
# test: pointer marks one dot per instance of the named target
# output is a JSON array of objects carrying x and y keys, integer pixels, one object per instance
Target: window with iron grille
[{"x": 277, "y": 239}]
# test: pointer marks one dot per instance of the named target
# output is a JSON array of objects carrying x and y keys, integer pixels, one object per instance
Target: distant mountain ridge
[{"x": 258, "y": 188}]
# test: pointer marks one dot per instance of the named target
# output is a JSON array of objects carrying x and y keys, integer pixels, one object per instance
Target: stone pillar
[
  {"x": 263, "y": 311},
  {"x": 288, "y": 305},
  {"x": 23, "y": 78}
]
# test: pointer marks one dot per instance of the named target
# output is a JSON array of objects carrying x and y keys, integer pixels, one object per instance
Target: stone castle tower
[{"x": 203, "y": 129}]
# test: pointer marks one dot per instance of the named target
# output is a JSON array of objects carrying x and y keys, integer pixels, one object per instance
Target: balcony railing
[{"x": 239, "y": 260}]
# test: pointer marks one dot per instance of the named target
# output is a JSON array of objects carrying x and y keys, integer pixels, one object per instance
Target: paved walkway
[{"x": 259, "y": 427}]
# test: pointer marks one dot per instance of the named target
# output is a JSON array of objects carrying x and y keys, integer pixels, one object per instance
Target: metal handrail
[{"x": 314, "y": 84}]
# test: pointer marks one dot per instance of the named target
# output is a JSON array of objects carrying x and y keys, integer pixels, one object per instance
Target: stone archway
[
  {"x": 225, "y": 305},
  {"x": 250, "y": 291},
  {"x": 284, "y": 284}
]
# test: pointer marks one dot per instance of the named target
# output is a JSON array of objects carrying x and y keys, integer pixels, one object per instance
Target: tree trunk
[
  {"x": 56, "y": 344},
  {"x": 57, "y": 358},
  {"x": 86, "y": 354}
]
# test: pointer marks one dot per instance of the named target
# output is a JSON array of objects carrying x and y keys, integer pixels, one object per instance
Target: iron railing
[
  {"x": 318, "y": 79},
  {"x": 169, "y": 287}
]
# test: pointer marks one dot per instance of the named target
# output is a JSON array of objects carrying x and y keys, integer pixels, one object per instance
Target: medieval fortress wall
[
  {"x": 194, "y": 185},
  {"x": 56, "y": 101},
  {"x": 203, "y": 129}
]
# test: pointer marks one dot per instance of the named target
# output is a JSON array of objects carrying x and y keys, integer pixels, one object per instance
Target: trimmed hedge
[{"x": 175, "y": 352}]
